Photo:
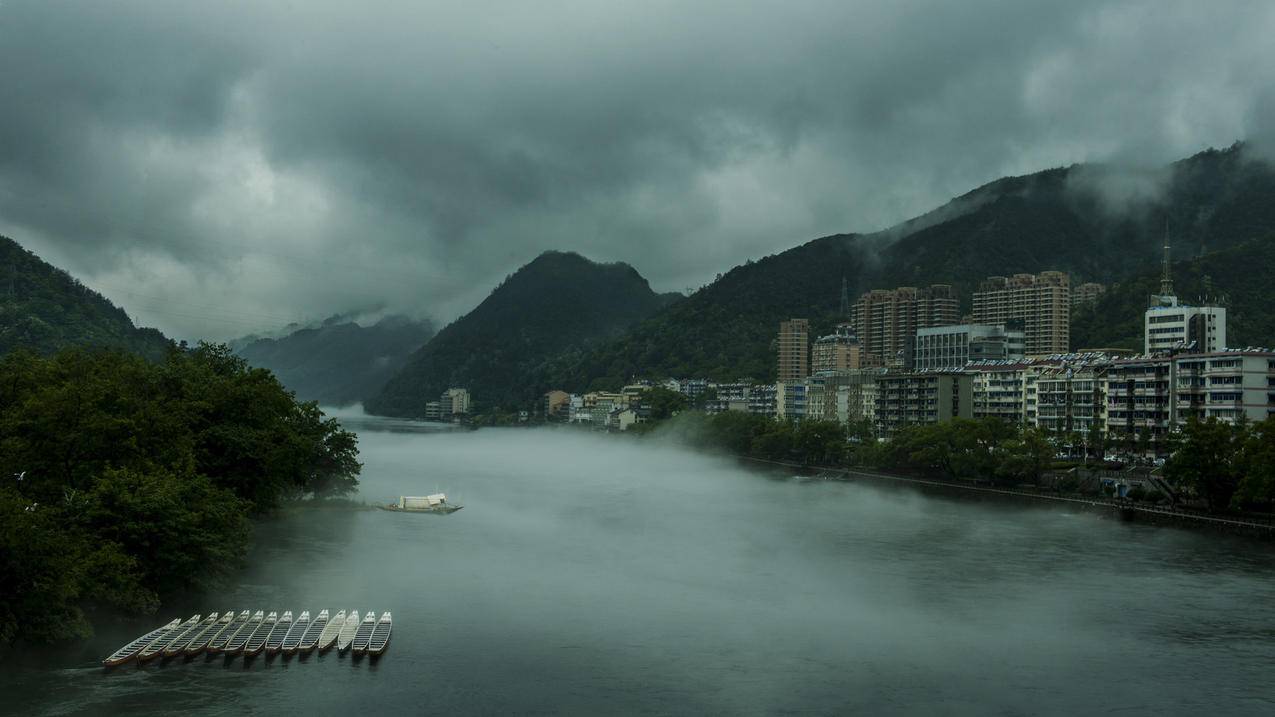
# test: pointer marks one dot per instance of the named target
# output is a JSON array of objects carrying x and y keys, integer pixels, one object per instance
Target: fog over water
[{"x": 593, "y": 575}]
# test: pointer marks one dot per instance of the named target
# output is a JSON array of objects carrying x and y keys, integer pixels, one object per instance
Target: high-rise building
[
  {"x": 1169, "y": 325},
  {"x": 794, "y": 350},
  {"x": 1087, "y": 293},
  {"x": 838, "y": 351},
  {"x": 1041, "y": 301},
  {"x": 886, "y": 320}
]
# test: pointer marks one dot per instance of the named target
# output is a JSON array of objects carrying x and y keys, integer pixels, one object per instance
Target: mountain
[
  {"x": 45, "y": 309},
  {"x": 1101, "y": 223},
  {"x": 558, "y": 302},
  {"x": 1115, "y": 319},
  {"x": 339, "y": 362}
]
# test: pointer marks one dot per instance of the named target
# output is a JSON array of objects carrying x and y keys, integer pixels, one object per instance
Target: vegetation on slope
[
  {"x": 559, "y": 300},
  {"x": 44, "y": 309},
  {"x": 123, "y": 481}
]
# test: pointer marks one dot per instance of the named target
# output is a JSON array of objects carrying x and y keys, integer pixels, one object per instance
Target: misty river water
[{"x": 598, "y": 575}]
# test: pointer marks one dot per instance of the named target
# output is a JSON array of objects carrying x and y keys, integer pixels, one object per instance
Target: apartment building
[
  {"x": 1042, "y": 302},
  {"x": 1140, "y": 396},
  {"x": 886, "y": 321},
  {"x": 1226, "y": 385},
  {"x": 838, "y": 351},
  {"x": 791, "y": 400},
  {"x": 951, "y": 347},
  {"x": 794, "y": 350},
  {"x": 1087, "y": 293},
  {"x": 905, "y": 399},
  {"x": 1072, "y": 399},
  {"x": 1168, "y": 326},
  {"x": 999, "y": 390}
]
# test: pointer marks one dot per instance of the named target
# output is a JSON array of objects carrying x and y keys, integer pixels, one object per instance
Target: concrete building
[
  {"x": 1072, "y": 400},
  {"x": 1041, "y": 301},
  {"x": 886, "y": 321},
  {"x": 838, "y": 351},
  {"x": 763, "y": 400},
  {"x": 1226, "y": 385},
  {"x": 1169, "y": 325},
  {"x": 999, "y": 390},
  {"x": 905, "y": 399},
  {"x": 557, "y": 405},
  {"x": 1140, "y": 397},
  {"x": 951, "y": 347},
  {"x": 1087, "y": 293},
  {"x": 455, "y": 401},
  {"x": 791, "y": 400},
  {"x": 794, "y": 350}
]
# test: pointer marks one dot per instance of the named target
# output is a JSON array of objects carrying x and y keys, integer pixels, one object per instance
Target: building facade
[
  {"x": 794, "y": 350},
  {"x": 886, "y": 321},
  {"x": 1228, "y": 385},
  {"x": 838, "y": 351},
  {"x": 905, "y": 399},
  {"x": 1168, "y": 326},
  {"x": 951, "y": 347},
  {"x": 1042, "y": 302}
]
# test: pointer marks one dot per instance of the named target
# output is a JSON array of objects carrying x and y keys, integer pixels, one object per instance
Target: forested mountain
[
  {"x": 339, "y": 362},
  {"x": 1099, "y": 223},
  {"x": 1240, "y": 276},
  {"x": 45, "y": 309},
  {"x": 559, "y": 301}
]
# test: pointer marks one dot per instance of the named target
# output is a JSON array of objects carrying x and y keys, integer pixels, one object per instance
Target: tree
[{"x": 1207, "y": 461}]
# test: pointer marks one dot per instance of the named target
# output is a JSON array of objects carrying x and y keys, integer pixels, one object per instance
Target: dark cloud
[{"x": 215, "y": 167}]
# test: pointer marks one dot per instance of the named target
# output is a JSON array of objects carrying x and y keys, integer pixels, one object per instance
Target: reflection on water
[{"x": 596, "y": 575}]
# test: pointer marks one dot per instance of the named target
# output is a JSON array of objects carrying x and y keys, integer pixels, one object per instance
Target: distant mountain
[
  {"x": 45, "y": 309},
  {"x": 1100, "y": 223},
  {"x": 1240, "y": 276},
  {"x": 339, "y": 362},
  {"x": 559, "y": 302}
]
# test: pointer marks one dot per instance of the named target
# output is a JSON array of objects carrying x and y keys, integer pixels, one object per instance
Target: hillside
[
  {"x": 339, "y": 362},
  {"x": 45, "y": 309},
  {"x": 1099, "y": 223},
  {"x": 1115, "y": 320},
  {"x": 558, "y": 300}
]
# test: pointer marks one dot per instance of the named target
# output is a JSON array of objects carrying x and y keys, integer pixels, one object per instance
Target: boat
[
  {"x": 310, "y": 637},
  {"x": 236, "y": 643},
  {"x": 217, "y": 645},
  {"x": 364, "y": 633},
  {"x": 327, "y": 638},
  {"x": 435, "y": 503},
  {"x": 181, "y": 642},
  {"x": 257, "y": 641},
  {"x": 275, "y": 640},
  {"x": 129, "y": 651},
  {"x": 199, "y": 643},
  {"x": 346, "y": 636},
  {"x": 293, "y": 638},
  {"x": 380, "y": 635},
  {"x": 156, "y": 648}
]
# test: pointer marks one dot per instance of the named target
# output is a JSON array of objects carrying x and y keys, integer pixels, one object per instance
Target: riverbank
[{"x": 1106, "y": 508}]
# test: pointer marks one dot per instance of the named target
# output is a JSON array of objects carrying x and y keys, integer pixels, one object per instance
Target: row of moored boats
[{"x": 250, "y": 634}]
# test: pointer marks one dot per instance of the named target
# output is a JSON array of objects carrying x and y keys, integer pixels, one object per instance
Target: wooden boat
[
  {"x": 129, "y": 651},
  {"x": 180, "y": 643},
  {"x": 310, "y": 637},
  {"x": 156, "y": 648},
  {"x": 293, "y": 638},
  {"x": 275, "y": 640},
  {"x": 364, "y": 633},
  {"x": 435, "y": 503},
  {"x": 327, "y": 638},
  {"x": 380, "y": 635},
  {"x": 236, "y": 643},
  {"x": 217, "y": 645},
  {"x": 257, "y": 641},
  {"x": 346, "y": 636},
  {"x": 200, "y": 642}
]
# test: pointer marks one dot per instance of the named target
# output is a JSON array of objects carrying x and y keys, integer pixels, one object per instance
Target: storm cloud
[{"x": 220, "y": 168}]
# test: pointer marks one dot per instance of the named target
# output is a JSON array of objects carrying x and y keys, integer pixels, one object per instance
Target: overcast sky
[{"x": 219, "y": 167}]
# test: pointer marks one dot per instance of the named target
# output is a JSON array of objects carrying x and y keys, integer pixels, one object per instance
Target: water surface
[{"x": 595, "y": 575}]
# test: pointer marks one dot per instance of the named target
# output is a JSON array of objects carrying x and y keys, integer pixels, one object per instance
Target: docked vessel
[
  {"x": 346, "y": 636},
  {"x": 236, "y": 643},
  {"x": 311, "y": 636},
  {"x": 380, "y": 635},
  {"x": 327, "y": 638},
  {"x": 275, "y": 640},
  {"x": 199, "y": 642},
  {"x": 435, "y": 503},
  {"x": 293, "y": 638},
  {"x": 179, "y": 645},
  {"x": 217, "y": 645},
  {"x": 129, "y": 651},
  {"x": 156, "y": 648},
  {"x": 257, "y": 640},
  {"x": 364, "y": 633}
]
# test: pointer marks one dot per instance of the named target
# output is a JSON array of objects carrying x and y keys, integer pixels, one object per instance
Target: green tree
[{"x": 1208, "y": 462}]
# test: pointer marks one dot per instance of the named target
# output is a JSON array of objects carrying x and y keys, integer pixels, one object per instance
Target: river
[{"x": 598, "y": 575}]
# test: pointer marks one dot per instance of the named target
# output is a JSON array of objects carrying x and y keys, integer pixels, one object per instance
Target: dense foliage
[
  {"x": 1227, "y": 465},
  {"x": 123, "y": 481},
  {"x": 1095, "y": 222},
  {"x": 556, "y": 302},
  {"x": 44, "y": 309},
  {"x": 339, "y": 362}
]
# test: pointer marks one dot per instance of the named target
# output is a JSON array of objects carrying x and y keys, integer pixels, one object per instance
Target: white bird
[{"x": 21, "y": 475}]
